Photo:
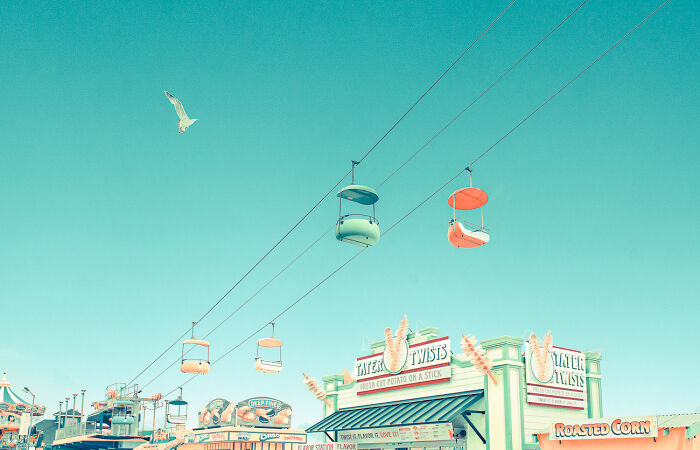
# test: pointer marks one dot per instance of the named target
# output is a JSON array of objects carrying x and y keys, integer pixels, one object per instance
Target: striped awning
[
  {"x": 417, "y": 411},
  {"x": 7, "y": 395},
  {"x": 10, "y": 402}
]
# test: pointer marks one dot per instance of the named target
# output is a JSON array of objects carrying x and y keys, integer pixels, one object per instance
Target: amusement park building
[{"x": 436, "y": 399}]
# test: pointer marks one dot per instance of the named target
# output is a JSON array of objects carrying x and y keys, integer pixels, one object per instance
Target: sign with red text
[
  {"x": 424, "y": 363},
  {"x": 560, "y": 382},
  {"x": 407, "y": 433},
  {"x": 328, "y": 446},
  {"x": 246, "y": 436},
  {"x": 605, "y": 428}
]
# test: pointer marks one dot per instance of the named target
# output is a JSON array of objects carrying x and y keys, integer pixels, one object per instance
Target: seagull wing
[{"x": 178, "y": 106}]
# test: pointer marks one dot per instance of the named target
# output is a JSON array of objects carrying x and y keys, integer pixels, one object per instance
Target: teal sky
[{"x": 117, "y": 232}]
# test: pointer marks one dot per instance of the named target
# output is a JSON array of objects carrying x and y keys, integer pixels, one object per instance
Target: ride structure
[
  {"x": 358, "y": 229},
  {"x": 114, "y": 424},
  {"x": 461, "y": 233},
  {"x": 12, "y": 406}
]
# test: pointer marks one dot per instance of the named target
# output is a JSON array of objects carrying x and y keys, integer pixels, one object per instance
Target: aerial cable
[
  {"x": 434, "y": 192},
  {"x": 522, "y": 58},
  {"x": 439, "y": 78},
  {"x": 246, "y": 301},
  {"x": 329, "y": 192}
]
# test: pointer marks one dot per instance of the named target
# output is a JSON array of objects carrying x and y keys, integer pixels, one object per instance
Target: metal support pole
[
  {"x": 31, "y": 413},
  {"x": 82, "y": 405}
]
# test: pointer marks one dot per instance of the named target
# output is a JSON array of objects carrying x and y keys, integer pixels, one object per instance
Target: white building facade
[{"x": 435, "y": 399}]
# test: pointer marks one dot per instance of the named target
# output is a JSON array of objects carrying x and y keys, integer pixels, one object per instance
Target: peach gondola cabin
[
  {"x": 461, "y": 233},
  {"x": 198, "y": 363}
]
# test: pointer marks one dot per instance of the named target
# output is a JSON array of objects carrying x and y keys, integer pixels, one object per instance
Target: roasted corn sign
[{"x": 606, "y": 428}]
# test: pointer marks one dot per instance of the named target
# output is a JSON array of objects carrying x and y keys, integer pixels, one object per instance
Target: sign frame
[
  {"x": 426, "y": 362},
  {"x": 565, "y": 384},
  {"x": 614, "y": 427}
]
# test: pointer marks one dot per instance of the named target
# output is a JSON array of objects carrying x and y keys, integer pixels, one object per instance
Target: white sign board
[
  {"x": 407, "y": 433},
  {"x": 422, "y": 363},
  {"x": 605, "y": 428},
  {"x": 328, "y": 446},
  {"x": 274, "y": 435},
  {"x": 24, "y": 424},
  {"x": 560, "y": 381}
]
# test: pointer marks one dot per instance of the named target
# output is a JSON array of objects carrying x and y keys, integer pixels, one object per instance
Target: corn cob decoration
[
  {"x": 536, "y": 356},
  {"x": 347, "y": 378},
  {"x": 312, "y": 384},
  {"x": 391, "y": 349},
  {"x": 393, "y": 344},
  {"x": 477, "y": 355},
  {"x": 540, "y": 356}
]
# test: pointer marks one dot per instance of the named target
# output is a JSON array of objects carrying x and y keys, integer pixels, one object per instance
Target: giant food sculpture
[
  {"x": 393, "y": 344},
  {"x": 477, "y": 355},
  {"x": 312, "y": 384},
  {"x": 540, "y": 355}
]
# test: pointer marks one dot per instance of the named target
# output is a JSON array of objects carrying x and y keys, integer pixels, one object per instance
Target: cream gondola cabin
[{"x": 267, "y": 364}]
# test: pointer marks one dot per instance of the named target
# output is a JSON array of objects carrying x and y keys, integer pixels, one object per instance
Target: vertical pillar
[
  {"x": 331, "y": 384},
  {"x": 504, "y": 408},
  {"x": 593, "y": 387}
]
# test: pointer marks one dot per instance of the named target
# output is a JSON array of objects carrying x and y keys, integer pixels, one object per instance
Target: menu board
[{"x": 407, "y": 433}]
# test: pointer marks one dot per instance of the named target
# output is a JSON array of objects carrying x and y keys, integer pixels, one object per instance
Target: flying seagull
[{"x": 184, "y": 121}]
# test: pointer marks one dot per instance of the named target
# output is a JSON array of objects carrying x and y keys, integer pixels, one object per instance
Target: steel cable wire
[
  {"x": 327, "y": 193},
  {"x": 436, "y": 191}
]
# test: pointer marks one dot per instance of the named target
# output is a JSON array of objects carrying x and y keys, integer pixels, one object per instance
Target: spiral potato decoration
[
  {"x": 477, "y": 356},
  {"x": 312, "y": 384}
]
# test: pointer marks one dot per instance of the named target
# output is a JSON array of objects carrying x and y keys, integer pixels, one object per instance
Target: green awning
[{"x": 417, "y": 411}]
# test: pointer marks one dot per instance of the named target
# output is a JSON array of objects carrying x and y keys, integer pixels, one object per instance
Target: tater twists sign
[
  {"x": 422, "y": 363},
  {"x": 605, "y": 428},
  {"x": 555, "y": 376}
]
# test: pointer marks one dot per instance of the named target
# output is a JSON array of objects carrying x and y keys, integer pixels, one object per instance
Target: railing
[
  {"x": 350, "y": 216},
  {"x": 470, "y": 226},
  {"x": 78, "y": 429}
]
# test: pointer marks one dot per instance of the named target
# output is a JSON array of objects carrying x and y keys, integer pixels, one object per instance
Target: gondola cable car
[
  {"x": 267, "y": 365},
  {"x": 195, "y": 365},
  {"x": 463, "y": 234},
  {"x": 358, "y": 229},
  {"x": 176, "y": 418}
]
